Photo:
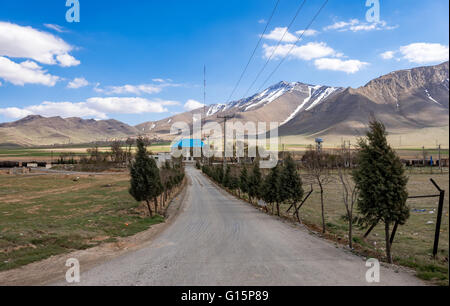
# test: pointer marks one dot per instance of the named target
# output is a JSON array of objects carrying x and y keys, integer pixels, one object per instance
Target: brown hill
[{"x": 38, "y": 130}]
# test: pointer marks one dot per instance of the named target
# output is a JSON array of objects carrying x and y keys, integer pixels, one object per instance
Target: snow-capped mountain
[
  {"x": 315, "y": 95},
  {"x": 278, "y": 103}
]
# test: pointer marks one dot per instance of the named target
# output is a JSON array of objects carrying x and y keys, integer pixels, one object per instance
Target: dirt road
[{"x": 219, "y": 240}]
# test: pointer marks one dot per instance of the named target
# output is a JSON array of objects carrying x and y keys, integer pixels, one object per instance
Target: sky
[{"x": 138, "y": 61}]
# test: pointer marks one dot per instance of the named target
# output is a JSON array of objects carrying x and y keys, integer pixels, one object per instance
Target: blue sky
[{"x": 139, "y": 61}]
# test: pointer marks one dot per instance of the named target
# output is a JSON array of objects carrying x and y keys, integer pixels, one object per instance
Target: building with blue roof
[{"x": 189, "y": 143}]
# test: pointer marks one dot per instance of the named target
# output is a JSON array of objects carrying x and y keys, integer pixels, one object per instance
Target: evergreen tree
[
  {"x": 234, "y": 183},
  {"x": 227, "y": 177},
  {"x": 381, "y": 180},
  {"x": 272, "y": 188},
  {"x": 255, "y": 183},
  {"x": 145, "y": 179},
  {"x": 244, "y": 180},
  {"x": 218, "y": 174},
  {"x": 291, "y": 183}
]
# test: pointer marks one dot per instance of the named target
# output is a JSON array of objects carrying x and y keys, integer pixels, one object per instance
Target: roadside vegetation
[
  {"x": 46, "y": 215},
  {"x": 148, "y": 183},
  {"x": 358, "y": 199}
]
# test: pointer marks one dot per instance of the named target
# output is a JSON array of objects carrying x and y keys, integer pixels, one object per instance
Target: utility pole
[
  {"x": 225, "y": 119},
  {"x": 423, "y": 157},
  {"x": 202, "y": 136},
  {"x": 440, "y": 164}
]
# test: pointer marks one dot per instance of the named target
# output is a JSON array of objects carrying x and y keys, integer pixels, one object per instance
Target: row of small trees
[
  {"x": 376, "y": 185},
  {"x": 282, "y": 185},
  {"x": 148, "y": 182}
]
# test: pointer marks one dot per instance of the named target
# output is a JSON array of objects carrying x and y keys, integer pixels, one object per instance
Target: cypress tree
[
  {"x": 291, "y": 183},
  {"x": 381, "y": 179},
  {"x": 233, "y": 183},
  {"x": 255, "y": 183},
  {"x": 272, "y": 188},
  {"x": 227, "y": 177},
  {"x": 145, "y": 179},
  {"x": 244, "y": 180}
]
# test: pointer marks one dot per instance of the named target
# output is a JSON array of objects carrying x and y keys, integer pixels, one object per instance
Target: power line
[
  {"x": 275, "y": 49},
  {"x": 294, "y": 45},
  {"x": 254, "y": 51}
]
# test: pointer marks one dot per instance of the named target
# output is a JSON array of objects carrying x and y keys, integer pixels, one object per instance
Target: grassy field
[
  {"x": 41, "y": 216},
  {"x": 46, "y": 154},
  {"x": 414, "y": 241}
]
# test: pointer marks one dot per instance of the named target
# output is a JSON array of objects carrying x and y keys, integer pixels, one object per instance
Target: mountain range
[{"x": 409, "y": 102}]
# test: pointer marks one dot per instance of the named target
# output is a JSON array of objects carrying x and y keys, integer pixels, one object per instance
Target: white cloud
[
  {"x": 129, "y": 105},
  {"x": 67, "y": 60},
  {"x": 305, "y": 52},
  {"x": 78, "y": 83},
  {"x": 326, "y": 58},
  {"x": 27, "y": 72},
  {"x": 192, "y": 105},
  {"x": 341, "y": 25},
  {"x": 355, "y": 25},
  {"x": 97, "y": 108},
  {"x": 14, "y": 112},
  {"x": 52, "y": 109},
  {"x": 55, "y": 27},
  {"x": 262, "y": 21},
  {"x": 66, "y": 109},
  {"x": 278, "y": 33},
  {"x": 136, "y": 89},
  {"x": 26, "y": 42},
  {"x": 309, "y": 32},
  {"x": 419, "y": 53},
  {"x": 335, "y": 64},
  {"x": 425, "y": 53},
  {"x": 388, "y": 55}
]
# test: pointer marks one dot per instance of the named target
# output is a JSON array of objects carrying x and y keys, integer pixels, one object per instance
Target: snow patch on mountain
[
  {"x": 320, "y": 95},
  {"x": 215, "y": 109},
  {"x": 301, "y": 106},
  {"x": 268, "y": 96},
  {"x": 430, "y": 97}
]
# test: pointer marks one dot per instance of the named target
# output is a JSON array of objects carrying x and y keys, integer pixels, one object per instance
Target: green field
[
  {"x": 49, "y": 215},
  {"x": 47, "y": 153}
]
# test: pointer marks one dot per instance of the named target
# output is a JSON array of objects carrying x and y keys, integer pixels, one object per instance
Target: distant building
[
  {"x": 162, "y": 158},
  {"x": 189, "y": 143}
]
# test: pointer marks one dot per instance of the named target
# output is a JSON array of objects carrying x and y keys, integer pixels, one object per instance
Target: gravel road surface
[{"x": 219, "y": 240}]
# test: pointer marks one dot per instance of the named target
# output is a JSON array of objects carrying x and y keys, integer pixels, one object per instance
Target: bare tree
[
  {"x": 349, "y": 196},
  {"x": 317, "y": 164},
  {"x": 118, "y": 155},
  {"x": 130, "y": 142}
]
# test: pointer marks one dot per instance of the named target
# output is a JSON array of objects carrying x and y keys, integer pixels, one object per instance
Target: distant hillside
[
  {"x": 404, "y": 100},
  {"x": 38, "y": 130}
]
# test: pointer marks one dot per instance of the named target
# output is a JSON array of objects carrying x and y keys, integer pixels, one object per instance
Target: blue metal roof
[{"x": 189, "y": 143}]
